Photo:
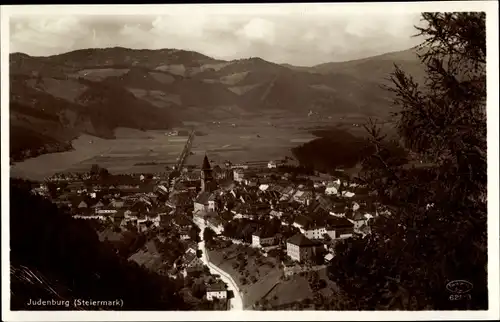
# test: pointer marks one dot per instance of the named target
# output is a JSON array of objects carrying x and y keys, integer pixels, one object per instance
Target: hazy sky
[{"x": 295, "y": 38}]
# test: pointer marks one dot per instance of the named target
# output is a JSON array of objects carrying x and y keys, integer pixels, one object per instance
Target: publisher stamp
[{"x": 460, "y": 290}]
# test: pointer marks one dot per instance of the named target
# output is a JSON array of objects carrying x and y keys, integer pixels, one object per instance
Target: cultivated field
[
  {"x": 294, "y": 290},
  {"x": 238, "y": 140}
]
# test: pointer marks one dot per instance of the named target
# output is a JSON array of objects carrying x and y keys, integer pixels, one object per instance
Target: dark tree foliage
[
  {"x": 131, "y": 242},
  {"x": 94, "y": 169},
  {"x": 436, "y": 232},
  {"x": 194, "y": 233},
  {"x": 97, "y": 172},
  {"x": 337, "y": 148},
  {"x": 70, "y": 262},
  {"x": 208, "y": 236},
  {"x": 103, "y": 173},
  {"x": 241, "y": 229},
  {"x": 172, "y": 249}
]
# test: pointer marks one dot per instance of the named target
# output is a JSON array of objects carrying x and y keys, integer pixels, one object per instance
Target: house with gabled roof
[
  {"x": 201, "y": 202},
  {"x": 325, "y": 203},
  {"x": 301, "y": 221},
  {"x": 191, "y": 263},
  {"x": 217, "y": 290},
  {"x": 215, "y": 223},
  {"x": 287, "y": 193},
  {"x": 339, "y": 227},
  {"x": 107, "y": 210},
  {"x": 181, "y": 221},
  {"x": 81, "y": 204},
  {"x": 300, "y": 248},
  {"x": 332, "y": 188},
  {"x": 312, "y": 228},
  {"x": 358, "y": 219},
  {"x": 263, "y": 237},
  {"x": 303, "y": 197},
  {"x": 98, "y": 205}
]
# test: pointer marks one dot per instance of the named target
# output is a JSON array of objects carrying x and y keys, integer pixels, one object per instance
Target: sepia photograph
[{"x": 270, "y": 158}]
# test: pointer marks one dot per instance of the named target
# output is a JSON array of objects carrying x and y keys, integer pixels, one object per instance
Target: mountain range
[{"x": 54, "y": 99}]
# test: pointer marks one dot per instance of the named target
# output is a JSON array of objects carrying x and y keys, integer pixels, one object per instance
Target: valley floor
[{"x": 134, "y": 151}]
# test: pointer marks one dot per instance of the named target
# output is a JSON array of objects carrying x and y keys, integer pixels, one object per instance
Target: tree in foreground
[
  {"x": 53, "y": 256},
  {"x": 436, "y": 230}
]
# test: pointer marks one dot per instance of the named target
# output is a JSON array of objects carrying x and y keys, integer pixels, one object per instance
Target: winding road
[{"x": 236, "y": 303}]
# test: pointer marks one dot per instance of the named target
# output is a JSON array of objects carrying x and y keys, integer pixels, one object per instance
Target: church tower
[{"x": 206, "y": 176}]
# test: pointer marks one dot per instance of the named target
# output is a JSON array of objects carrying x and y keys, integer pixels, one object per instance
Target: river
[{"x": 236, "y": 303}]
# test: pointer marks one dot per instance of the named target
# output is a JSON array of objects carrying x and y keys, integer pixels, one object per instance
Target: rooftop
[
  {"x": 206, "y": 163},
  {"x": 189, "y": 257},
  {"x": 301, "y": 240},
  {"x": 217, "y": 287},
  {"x": 358, "y": 216},
  {"x": 264, "y": 232},
  {"x": 203, "y": 198},
  {"x": 338, "y": 222},
  {"x": 302, "y": 220}
]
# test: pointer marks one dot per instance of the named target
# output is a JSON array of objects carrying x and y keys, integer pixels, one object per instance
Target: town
[
  {"x": 270, "y": 214},
  {"x": 323, "y": 161}
]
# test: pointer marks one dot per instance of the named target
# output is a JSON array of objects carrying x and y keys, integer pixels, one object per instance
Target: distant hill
[
  {"x": 376, "y": 68},
  {"x": 54, "y": 99}
]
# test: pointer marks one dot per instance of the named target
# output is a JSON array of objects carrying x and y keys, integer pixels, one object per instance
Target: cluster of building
[
  {"x": 142, "y": 202},
  {"x": 319, "y": 209}
]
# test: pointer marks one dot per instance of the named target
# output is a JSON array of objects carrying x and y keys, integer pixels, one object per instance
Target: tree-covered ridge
[
  {"x": 436, "y": 231},
  {"x": 54, "y": 256},
  {"x": 338, "y": 148}
]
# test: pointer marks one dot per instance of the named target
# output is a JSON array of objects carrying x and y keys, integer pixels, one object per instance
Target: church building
[
  {"x": 205, "y": 200},
  {"x": 208, "y": 183}
]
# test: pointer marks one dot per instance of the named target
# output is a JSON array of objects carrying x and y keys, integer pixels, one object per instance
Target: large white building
[
  {"x": 238, "y": 175},
  {"x": 260, "y": 239},
  {"x": 216, "y": 291},
  {"x": 301, "y": 248},
  {"x": 106, "y": 211},
  {"x": 315, "y": 232}
]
